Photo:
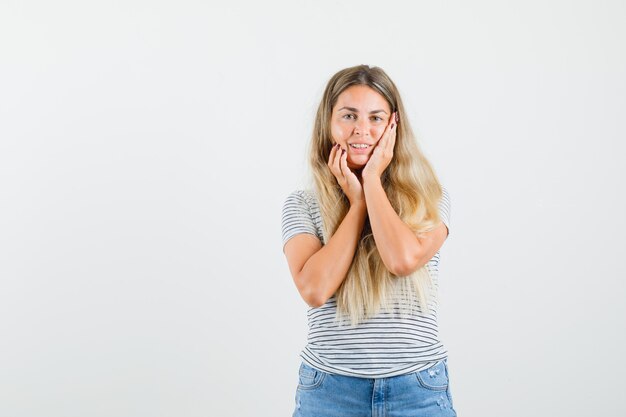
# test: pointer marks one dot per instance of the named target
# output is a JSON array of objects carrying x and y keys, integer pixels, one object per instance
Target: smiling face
[{"x": 360, "y": 116}]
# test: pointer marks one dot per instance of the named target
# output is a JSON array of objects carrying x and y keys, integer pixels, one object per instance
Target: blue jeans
[{"x": 425, "y": 393}]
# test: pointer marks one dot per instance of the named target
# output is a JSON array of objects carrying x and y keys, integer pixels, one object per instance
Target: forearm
[
  {"x": 328, "y": 267},
  {"x": 397, "y": 244}
]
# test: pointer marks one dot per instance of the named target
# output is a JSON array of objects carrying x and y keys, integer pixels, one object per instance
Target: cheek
[
  {"x": 378, "y": 132},
  {"x": 339, "y": 133}
]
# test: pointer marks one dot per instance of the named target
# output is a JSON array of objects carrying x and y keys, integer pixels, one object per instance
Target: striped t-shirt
[{"x": 382, "y": 346}]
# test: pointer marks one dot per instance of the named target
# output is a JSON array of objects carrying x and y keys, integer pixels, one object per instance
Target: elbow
[
  {"x": 316, "y": 302},
  {"x": 401, "y": 271},
  {"x": 407, "y": 266},
  {"x": 311, "y": 292},
  {"x": 313, "y": 297}
]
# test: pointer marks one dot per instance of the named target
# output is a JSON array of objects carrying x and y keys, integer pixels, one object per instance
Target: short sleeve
[
  {"x": 296, "y": 217},
  {"x": 444, "y": 208}
]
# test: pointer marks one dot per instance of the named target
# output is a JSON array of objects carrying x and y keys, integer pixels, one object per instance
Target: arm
[
  {"x": 318, "y": 272},
  {"x": 399, "y": 247}
]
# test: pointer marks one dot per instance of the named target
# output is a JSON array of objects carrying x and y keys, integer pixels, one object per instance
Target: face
[{"x": 360, "y": 116}]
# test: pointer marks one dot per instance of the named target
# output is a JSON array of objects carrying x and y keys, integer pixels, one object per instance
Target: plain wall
[{"x": 146, "y": 149}]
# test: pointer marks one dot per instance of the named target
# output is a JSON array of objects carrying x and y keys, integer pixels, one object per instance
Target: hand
[
  {"x": 349, "y": 182},
  {"x": 383, "y": 151}
]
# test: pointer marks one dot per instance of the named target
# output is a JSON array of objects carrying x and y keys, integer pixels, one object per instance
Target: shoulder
[
  {"x": 444, "y": 207},
  {"x": 300, "y": 215},
  {"x": 301, "y": 197},
  {"x": 300, "y": 203},
  {"x": 445, "y": 198},
  {"x": 296, "y": 197}
]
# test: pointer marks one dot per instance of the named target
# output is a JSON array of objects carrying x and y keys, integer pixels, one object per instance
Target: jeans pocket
[
  {"x": 434, "y": 378},
  {"x": 309, "y": 377}
]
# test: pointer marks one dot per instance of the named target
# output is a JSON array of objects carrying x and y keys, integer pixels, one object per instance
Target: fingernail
[
  {"x": 393, "y": 125},
  {"x": 397, "y": 117}
]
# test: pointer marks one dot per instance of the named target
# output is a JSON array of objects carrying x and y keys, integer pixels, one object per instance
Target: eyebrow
[{"x": 356, "y": 110}]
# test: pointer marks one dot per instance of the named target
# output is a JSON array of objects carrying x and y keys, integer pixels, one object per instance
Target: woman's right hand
[{"x": 349, "y": 182}]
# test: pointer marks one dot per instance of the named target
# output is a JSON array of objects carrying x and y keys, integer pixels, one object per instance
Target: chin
[{"x": 353, "y": 165}]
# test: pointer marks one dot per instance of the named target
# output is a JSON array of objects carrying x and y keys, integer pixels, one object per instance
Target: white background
[{"x": 146, "y": 149}]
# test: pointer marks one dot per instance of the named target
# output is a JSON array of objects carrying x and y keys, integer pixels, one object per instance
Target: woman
[{"x": 362, "y": 244}]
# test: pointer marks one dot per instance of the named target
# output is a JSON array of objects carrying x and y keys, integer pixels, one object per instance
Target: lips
[{"x": 359, "y": 150}]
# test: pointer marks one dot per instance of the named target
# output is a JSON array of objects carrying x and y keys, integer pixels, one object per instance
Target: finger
[
  {"x": 392, "y": 138},
  {"x": 331, "y": 159},
  {"x": 344, "y": 165},
  {"x": 348, "y": 174},
  {"x": 330, "y": 156},
  {"x": 382, "y": 143},
  {"x": 337, "y": 161},
  {"x": 390, "y": 122},
  {"x": 385, "y": 138}
]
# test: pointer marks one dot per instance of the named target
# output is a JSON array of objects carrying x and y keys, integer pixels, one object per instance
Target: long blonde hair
[{"x": 411, "y": 186}]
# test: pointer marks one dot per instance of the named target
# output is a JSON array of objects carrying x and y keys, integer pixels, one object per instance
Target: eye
[
  {"x": 347, "y": 116},
  {"x": 377, "y": 118}
]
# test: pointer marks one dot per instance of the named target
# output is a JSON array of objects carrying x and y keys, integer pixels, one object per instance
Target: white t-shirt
[{"x": 382, "y": 346}]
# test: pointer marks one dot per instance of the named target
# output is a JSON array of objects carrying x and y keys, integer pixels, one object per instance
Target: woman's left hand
[{"x": 383, "y": 152}]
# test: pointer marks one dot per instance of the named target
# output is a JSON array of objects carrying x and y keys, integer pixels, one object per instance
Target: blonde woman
[{"x": 362, "y": 243}]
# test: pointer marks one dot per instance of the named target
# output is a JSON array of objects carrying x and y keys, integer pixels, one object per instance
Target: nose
[{"x": 361, "y": 128}]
